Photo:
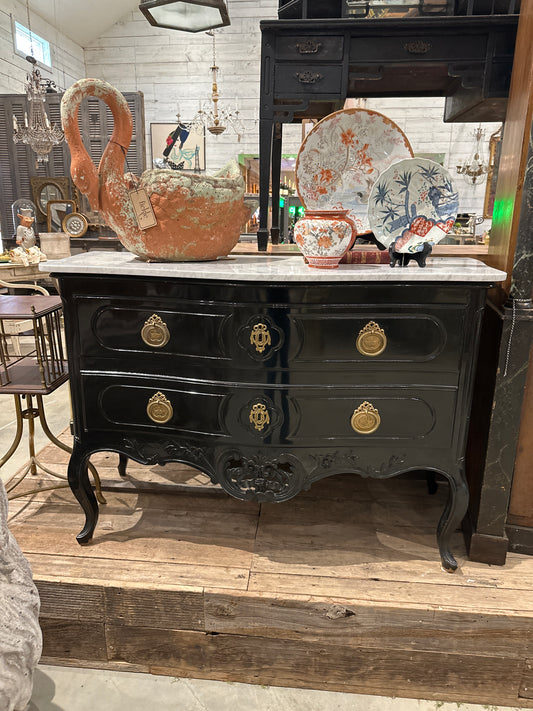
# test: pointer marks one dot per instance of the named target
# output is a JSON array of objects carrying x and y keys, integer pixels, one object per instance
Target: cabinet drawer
[
  {"x": 291, "y": 79},
  {"x": 366, "y": 338},
  {"x": 282, "y": 415},
  {"x": 115, "y": 329},
  {"x": 246, "y": 343},
  {"x": 310, "y": 48},
  {"x": 122, "y": 403},
  {"x": 349, "y": 415},
  {"x": 413, "y": 48}
]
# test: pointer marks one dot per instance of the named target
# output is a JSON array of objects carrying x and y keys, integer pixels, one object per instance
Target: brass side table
[{"x": 35, "y": 374}]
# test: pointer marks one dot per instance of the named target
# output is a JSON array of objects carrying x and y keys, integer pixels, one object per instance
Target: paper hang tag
[{"x": 144, "y": 212}]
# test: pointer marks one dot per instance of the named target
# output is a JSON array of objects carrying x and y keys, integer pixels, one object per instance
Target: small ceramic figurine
[{"x": 25, "y": 234}]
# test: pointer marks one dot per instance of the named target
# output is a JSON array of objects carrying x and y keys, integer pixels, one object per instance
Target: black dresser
[{"x": 268, "y": 375}]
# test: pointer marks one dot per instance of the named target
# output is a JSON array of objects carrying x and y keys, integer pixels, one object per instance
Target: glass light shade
[{"x": 186, "y": 15}]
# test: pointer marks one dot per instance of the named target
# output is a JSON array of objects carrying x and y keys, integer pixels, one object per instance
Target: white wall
[
  {"x": 172, "y": 68},
  {"x": 68, "y": 63}
]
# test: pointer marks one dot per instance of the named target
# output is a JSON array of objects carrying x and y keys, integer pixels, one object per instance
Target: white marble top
[{"x": 273, "y": 269}]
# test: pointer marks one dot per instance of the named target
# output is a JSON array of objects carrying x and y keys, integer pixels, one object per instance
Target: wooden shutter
[{"x": 17, "y": 161}]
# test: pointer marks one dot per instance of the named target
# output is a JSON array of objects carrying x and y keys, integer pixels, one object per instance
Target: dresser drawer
[
  {"x": 413, "y": 48},
  {"x": 364, "y": 338},
  {"x": 310, "y": 48},
  {"x": 191, "y": 331},
  {"x": 293, "y": 79},
  {"x": 258, "y": 344},
  {"x": 303, "y": 416},
  {"x": 122, "y": 403}
]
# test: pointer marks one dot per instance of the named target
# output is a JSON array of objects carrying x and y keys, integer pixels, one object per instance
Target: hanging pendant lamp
[{"x": 186, "y": 15}]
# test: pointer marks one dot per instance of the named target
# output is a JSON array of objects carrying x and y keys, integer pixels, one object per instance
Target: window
[{"x": 26, "y": 41}]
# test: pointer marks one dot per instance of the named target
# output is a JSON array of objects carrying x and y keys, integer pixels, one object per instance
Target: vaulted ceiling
[{"x": 83, "y": 20}]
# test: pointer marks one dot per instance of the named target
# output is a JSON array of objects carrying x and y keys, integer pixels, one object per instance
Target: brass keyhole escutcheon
[
  {"x": 260, "y": 337},
  {"x": 371, "y": 340},
  {"x": 365, "y": 419},
  {"x": 159, "y": 409},
  {"x": 259, "y": 416},
  {"x": 155, "y": 332}
]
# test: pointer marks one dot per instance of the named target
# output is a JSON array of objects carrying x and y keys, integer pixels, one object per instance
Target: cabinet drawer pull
[
  {"x": 155, "y": 332},
  {"x": 159, "y": 409},
  {"x": 308, "y": 47},
  {"x": 365, "y": 419},
  {"x": 371, "y": 340},
  {"x": 417, "y": 47},
  {"x": 308, "y": 77}
]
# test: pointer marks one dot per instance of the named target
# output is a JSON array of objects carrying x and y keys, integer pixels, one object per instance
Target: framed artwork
[
  {"x": 191, "y": 153},
  {"x": 495, "y": 149}
]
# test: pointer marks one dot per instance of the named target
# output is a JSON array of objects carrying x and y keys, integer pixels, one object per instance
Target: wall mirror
[
  {"x": 45, "y": 189},
  {"x": 495, "y": 149},
  {"x": 56, "y": 212}
]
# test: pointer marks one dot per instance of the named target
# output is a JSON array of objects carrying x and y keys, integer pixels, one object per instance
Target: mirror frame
[
  {"x": 38, "y": 183},
  {"x": 495, "y": 146},
  {"x": 49, "y": 214}
]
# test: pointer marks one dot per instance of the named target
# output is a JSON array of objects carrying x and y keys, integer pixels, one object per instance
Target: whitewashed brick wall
[
  {"x": 172, "y": 68},
  {"x": 68, "y": 62}
]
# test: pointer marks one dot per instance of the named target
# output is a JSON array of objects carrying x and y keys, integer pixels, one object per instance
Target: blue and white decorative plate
[{"x": 412, "y": 203}]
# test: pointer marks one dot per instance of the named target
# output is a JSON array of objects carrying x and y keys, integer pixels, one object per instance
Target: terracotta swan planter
[{"x": 198, "y": 217}]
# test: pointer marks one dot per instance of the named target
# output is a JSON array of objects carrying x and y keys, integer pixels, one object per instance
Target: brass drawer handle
[
  {"x": 308, "y": 47},
  {"x": 417, "y": 47},
  {"x": 371, "y": 340},
  {"x": 155, "y": 332},
  {"x": 365, "y": 419},
  {"x": 159, "y": 409},
  {"x": 308, "y": 77},
  {"x": 260, "y": 337}
]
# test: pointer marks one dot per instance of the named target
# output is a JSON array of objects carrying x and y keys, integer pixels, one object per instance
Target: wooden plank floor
[{"x": 338, "y": 589}]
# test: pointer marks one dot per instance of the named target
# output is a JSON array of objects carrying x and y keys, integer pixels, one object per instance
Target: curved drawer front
[
  {"x": 116, "y": 329},
  {"x": 302, "y": 416},
  {"x": 245, "y": 342},
  {"x": 371, "y": 338},
  {"x": 147, "y": 404},
  {"x": 402, "y": 337},
  {"x": 351, "y": 415}
]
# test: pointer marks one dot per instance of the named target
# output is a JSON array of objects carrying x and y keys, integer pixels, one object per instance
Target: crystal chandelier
[
  {"x": 475, "y": 167},
  {"x": 214, "y": 117},
  {"x": 37, "y": 133}
]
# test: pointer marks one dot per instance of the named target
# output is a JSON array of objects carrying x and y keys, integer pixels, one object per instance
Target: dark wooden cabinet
[
  {"x": 269, "y": 387},
  {"x": 309, "y": 67}
]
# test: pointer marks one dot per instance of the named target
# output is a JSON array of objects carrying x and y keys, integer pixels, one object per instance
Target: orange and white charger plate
[{"x": 341, "y": 158}]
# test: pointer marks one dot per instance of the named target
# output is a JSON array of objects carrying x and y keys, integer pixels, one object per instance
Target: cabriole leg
[
  {"x": 78, "y": 479},
  {"x": 453, "y": 514}
]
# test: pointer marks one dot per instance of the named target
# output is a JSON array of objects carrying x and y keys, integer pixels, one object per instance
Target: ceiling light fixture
[
  {"x": 38, "y": 133},
  {"x": 212, "y": 116},
  {"x": 186, "y": 15},
  {"x": 475, "y": 167}
]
